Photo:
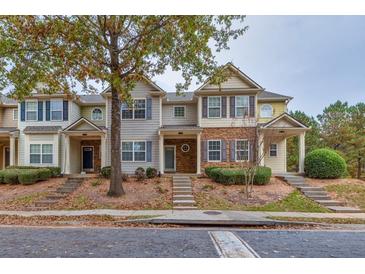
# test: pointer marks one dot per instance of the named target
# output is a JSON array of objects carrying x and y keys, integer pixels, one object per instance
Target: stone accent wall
[
  {"x": 227, "y": 134},
  {"x": 97, "y": 156},
  {"x": 185, "y": 161}
]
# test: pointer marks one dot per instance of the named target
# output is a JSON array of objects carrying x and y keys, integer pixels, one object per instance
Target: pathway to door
[{"x": 183, "y": 198}]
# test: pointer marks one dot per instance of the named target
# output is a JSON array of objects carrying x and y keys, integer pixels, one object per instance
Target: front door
[
  {"x": 170, "y": 159},
  {"x": 7, "y": 156},
  {"x": 88, "y": 158}
]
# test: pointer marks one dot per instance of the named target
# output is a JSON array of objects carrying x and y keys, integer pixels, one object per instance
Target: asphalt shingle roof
[
  {"x": 92, "y": 99},
  {"x": 272, "y": 95},
  {"x": 42, "y": 129},
  {"x": 186, "y": 96}
]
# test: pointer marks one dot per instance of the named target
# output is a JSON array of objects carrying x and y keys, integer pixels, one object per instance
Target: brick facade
[
  {"x": 97, "y": 156},
  {"x": 185, "y": 161},
  {"x": 227, "y": 134}
]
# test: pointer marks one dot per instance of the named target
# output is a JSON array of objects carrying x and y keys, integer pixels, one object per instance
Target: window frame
[
  {"x": 220, "y": 107},
  {"x": 15, "y": 118},
  {"x": 220, "y": 151},
  {"x": 276, "y": 150},
  {"x": 133, "y": 109},
  {"x": 92, "y": 112},
  {"x": 236, "y": 107},
  {"x": 41, "y": 153},
  {"x": 133, "y": 151},
  {"x": 265, "y": 116},
  {"x": 241, "y": 150},
  {"x": 52, "y": 110},
  {"x": 26, "y": 110},
  {"x": 174, "y": 113}
]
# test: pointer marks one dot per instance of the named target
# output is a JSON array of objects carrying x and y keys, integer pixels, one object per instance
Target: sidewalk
[{"x": 202, "y": 217}]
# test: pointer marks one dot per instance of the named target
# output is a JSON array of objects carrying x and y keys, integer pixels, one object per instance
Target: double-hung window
[
  {"x": 15, "y": 114},
  {"x": 266, "y": 111},
  {"x": 242, "y": 106},
  {"x": 273, "y": 150},
  {"x": 179, "y": 111},
  {"x": 214, "y": 107},
  {"x": 242, "y": 151},
  {"x": 41, "y": 154},
  {"x": 31, "y": 110},
  {"x": 56, "y": 110},
  {"x": 134, "y": 151},
  {"x": 214, "y": 150},
  {"x": 97, "y": 114},
  {"x": 136, "y": 111}
]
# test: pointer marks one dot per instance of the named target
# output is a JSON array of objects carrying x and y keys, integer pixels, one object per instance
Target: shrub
[
  {"x": 45, "y": 173},
  {"x": 324, "y": 164},
  {"x": 2, "y": 176},
  {"x": 55, "y": 170},
  {"x": 106, "y": 172},
  {"x": 151, "y": 172},
  {"x": 11, "y": 176},
  {"x": 139, "y": 169},
  {"x": 231, "y": 176},
  {"x": 140, "y": 174},
  {"x": 29, "y": 176},
  {"x": 208, "y": 170}
]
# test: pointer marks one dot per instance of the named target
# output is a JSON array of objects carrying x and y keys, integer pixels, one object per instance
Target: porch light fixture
[
  {"x": 281, "y": 131},
  {"x": 84, "y": 134},
  {"x": 185, "y": 148},
  {"x": 180, "y": 132}
]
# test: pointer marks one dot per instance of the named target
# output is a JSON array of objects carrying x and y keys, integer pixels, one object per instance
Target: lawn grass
[
  {"x": 320, "y": 220},
  {"x": 295, "y": 201},
  {"x": 354, "y": 195}
]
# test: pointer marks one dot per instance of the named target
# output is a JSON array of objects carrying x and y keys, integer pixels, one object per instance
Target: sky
[{"x": 315, "y": 59}]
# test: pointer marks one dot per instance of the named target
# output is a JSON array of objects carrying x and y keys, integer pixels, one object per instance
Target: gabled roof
[
  {"x": 174, "y": 97},
  {"x": 266, "y": 95},
  {"x": 91, "y": 126},
  {"x": 90, "y": 99},
  {"x": 41, "y": 129},
  {"x": 293, "y": 122},
  {"x": 6, "y": 101},
  {"x": 238, "y": 72}
]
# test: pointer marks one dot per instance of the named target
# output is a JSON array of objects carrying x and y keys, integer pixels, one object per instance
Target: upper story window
[
  {"x": 179, "y": 111},
  {"x": 214, "y": 150},
  {"x": 56, "y": 110},
  {"x": 266, "y": 111},
  {"x": 136, "y": 111},
  {"x": 273, "y": 150},
  {"x": 15, "y": 114},
  {"x": 214, "y": 107},
  {"x": 242, "y": 106},
  {"x": 31, "y": 110},
  {"x": 97, "y": 114},
  {"x": 242, "y": 150}
]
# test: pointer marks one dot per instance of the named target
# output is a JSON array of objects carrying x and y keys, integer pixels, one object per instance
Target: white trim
[
  {"x": 272, "y": 111},
  {"x": 134, "y": 141},
  {"x": 235, "y": 150},
  {"x": 50, "y": 109},
  {"x": 235, "y": 106},
  {"x": 276, "y": 150},
  {"x": 220, "y": 150},
  {"x": 4, "y": 149},
  {"x": 82, "y": 159},
  {"x": 170, "y": 170},
  {"x": 41, "y": 143},
  {"x": 82, "y": 119},
  {"x": 92, "y": 111},
  {"x": 25, "y": 106},
  {"x": 173, "y": 111},
  {"x": 17, "y": 116},
  {"x": 289, "y": 117},
  {"x": 220, "y": 107}
]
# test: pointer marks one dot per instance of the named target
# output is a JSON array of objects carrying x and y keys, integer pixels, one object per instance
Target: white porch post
[
  {"x": 261, "y": 150},
  {"x": 301, "y": 152},
  {"x": 67, "y": 155},
  {"x": 12, "y": 151},
  {"x": 199, "y": 110},
  {"x": 103, "y": 150},
  {"x": 161, "y": 150},
  {"x": 198, "y": 153}
]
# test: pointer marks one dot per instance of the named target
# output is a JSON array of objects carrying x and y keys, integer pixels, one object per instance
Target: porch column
[
  {"x": 198, "y": 153},
  {"x": 66, "y": 168},
  {"x": 161, "y": 150},
  {"x": 103, "y": 150},
  {"x": 261, "y": 156},
  {"x": 301, "y": 152},
  {"x": 12, "y": 151}
]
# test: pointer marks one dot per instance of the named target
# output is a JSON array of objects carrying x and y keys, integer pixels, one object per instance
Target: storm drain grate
[{"x": 212, "y": 212}]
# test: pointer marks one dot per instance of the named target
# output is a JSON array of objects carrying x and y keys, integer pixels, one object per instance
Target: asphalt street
[{"x": 43, "y": 242}]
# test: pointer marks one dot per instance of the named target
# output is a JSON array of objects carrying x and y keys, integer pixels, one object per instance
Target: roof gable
[
  {"x": 83, "y": 124},
  {"x": 285, "y": 121}
]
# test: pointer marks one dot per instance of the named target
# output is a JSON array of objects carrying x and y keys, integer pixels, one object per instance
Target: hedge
[
  {"x": 324, "y": 164},
  {"x": 235, "y": 176},
  {"x": 55, "y": 170},
  {"x": 24, "y": 176}
]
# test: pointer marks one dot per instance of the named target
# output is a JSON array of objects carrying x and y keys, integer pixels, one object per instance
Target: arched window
[
  {"x": 97, "y": 114},
  {"x": 266, "y": 111}
]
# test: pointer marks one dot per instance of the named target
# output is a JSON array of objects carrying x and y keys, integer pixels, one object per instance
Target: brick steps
[{"x": 182, "y": 198}]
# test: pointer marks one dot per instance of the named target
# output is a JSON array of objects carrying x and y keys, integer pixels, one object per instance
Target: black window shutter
[
  {"x": 48, "y": 110},
  {"x": 149, "y": 108},
  {"x": 252, "y": 106},
  {"x": 40, "y": 110},
  {"x": 22, "y": 111},
  {"x": 224, "y": 106},
  {"x": 65, "y": 110},
  {"x": 232, "y": 106},
  {"x": 205, "y": 107}
]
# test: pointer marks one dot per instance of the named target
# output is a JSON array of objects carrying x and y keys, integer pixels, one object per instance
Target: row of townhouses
[{"x": 212, "y": 125}]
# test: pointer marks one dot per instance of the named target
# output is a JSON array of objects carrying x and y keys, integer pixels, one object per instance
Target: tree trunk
[{"x": 358, "y": 167}]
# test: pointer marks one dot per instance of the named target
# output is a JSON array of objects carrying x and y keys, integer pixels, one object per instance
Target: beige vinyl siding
[
  {"x": 74, "y": 112},
  {"x": 189, "y": 119},
  {"x": 76, "y": 156},
  {"x": 278, "y": 163},
  {"x": 232, "y": 82},
  {"x": 86, "y": 113},
  {"x": 7, "y": 119}
]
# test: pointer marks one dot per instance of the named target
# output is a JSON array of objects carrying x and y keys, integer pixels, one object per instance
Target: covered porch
[
  {"x": 8, "y": 147},
  {"x": 179, "y": 148},
  {"x": 85, "y": 147},
  {"x": 272, "y": 142}
]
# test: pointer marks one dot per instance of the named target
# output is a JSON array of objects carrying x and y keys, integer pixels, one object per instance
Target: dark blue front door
[{"x": 87, "y": 158}]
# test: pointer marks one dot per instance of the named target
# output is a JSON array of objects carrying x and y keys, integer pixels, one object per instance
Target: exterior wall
[
  {"x": 189, "y": 119},
  {"x": 227, "y": 136},
  {"x": 225, "y": 122},
  {"x": 75, "y": 159},
  {"x": 185, "y": 161},
  {"x": 232, "y": 82},
  {"x": 278, "y": 163},
  {"x": 7, "y": 119},
  {"x": 97, "y": 158},
  {"x": 86, "y": 113},
  {"x": 278, "y": 108}
]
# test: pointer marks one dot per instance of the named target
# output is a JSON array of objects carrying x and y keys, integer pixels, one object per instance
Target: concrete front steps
[
  {"x": 62, "y": 192},
  {"x": 182, "y": 198},
  {"x": 317, "y": 194}
]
